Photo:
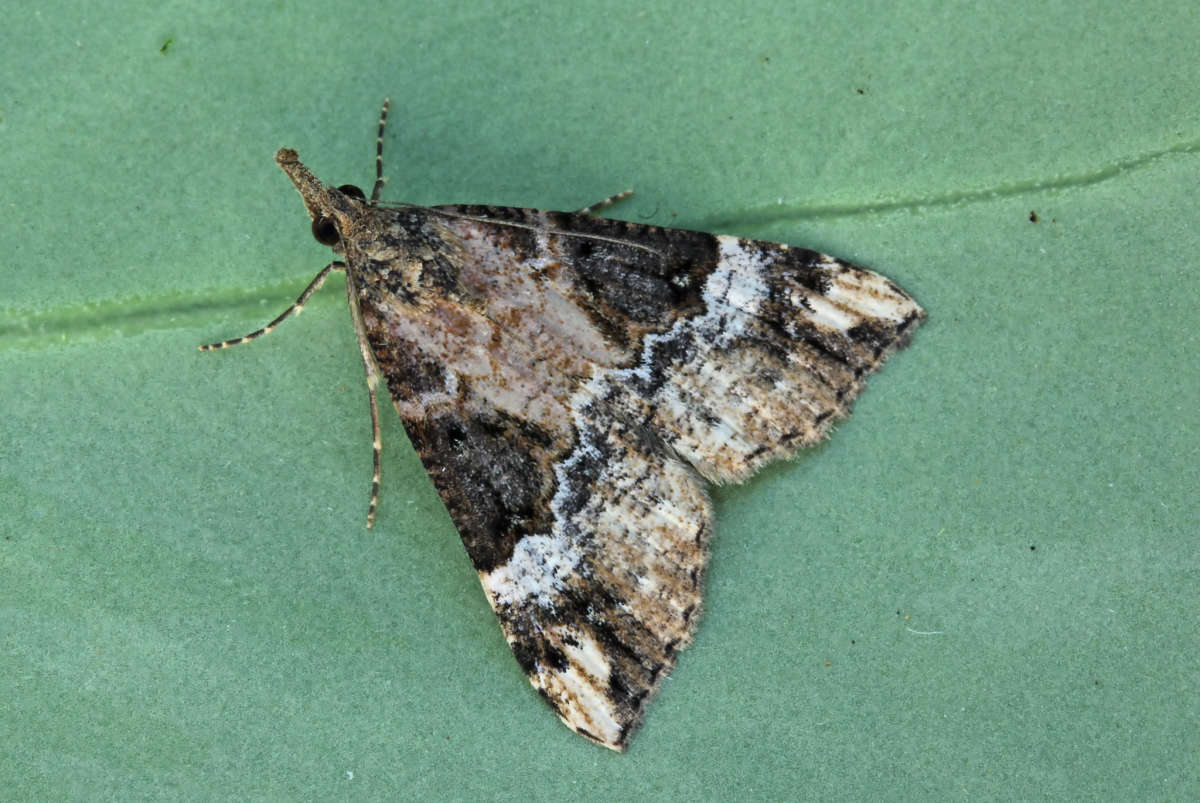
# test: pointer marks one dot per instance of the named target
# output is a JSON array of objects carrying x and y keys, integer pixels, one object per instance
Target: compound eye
[
  {"x": 325, "y": 232},
  {"x": 352, "y": 191}
]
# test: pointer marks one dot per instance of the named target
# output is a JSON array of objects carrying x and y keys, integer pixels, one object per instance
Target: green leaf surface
[{"x": 984, "y": 586}]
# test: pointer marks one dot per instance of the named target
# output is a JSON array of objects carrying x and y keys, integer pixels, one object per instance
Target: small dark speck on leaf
[{"x": 166, "y": 45}]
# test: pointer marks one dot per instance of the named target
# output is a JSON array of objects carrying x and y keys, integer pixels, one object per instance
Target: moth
[{"x": 571, "y": 383}]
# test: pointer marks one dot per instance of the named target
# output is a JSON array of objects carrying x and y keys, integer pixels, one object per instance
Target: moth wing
[
  {"x": 784, "y": 346},
  {"x": 589, "y": 536},
  {"x": 592, "y": 562},
  {"x": 670, "y": 353},
  {"x": 747, "y": 350}
]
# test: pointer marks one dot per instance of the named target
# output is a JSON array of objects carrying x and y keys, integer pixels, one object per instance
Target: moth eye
[
  {"x": 325, "y": 232},
  {"x": 351, "y": 190}
]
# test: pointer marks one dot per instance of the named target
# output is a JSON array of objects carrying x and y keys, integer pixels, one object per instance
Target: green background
[{"x": 984, "y": 586}]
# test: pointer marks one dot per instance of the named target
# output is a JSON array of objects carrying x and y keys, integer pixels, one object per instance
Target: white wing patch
[{"x": 539, "y": 566}]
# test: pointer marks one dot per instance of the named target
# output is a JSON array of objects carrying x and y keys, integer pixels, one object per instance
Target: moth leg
[
  {"x": 364, "y": 347},
  {"x": 295, "y": 309},
  {"x": 607, "y": 202},
  {"x": 379, "y": 179}
]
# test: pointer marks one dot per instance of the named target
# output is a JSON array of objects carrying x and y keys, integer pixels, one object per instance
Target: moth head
[
  {"x": 332, "y": 209},
  {"x": 325, "y": 228}
]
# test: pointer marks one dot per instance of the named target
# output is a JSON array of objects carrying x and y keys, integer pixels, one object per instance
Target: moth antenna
[
  {"x": 379, "y": 179},
  {"x": 295, "y": 309}
]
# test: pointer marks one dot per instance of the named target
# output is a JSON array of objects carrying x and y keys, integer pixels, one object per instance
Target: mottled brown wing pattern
[
  {"x": 565, "y": 377},
  {"x": 568, "y": 380}
]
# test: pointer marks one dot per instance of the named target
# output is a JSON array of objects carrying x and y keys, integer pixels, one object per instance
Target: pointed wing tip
[
  {"x": 618, "y": 743},
  {"x": 617, "y": 746}
]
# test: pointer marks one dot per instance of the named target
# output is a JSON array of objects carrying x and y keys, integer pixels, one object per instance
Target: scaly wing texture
[
  {"x": 784, "y": 346},
  {"x": 565, "y": 378}
]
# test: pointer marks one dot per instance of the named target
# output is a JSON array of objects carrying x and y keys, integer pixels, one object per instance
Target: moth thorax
[{"x": 411, "y": 270}]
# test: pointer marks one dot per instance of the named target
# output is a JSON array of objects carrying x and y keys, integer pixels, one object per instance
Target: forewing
[
  {"x": 592, "y": 557},
  {"x": 744, "y": 350}
]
